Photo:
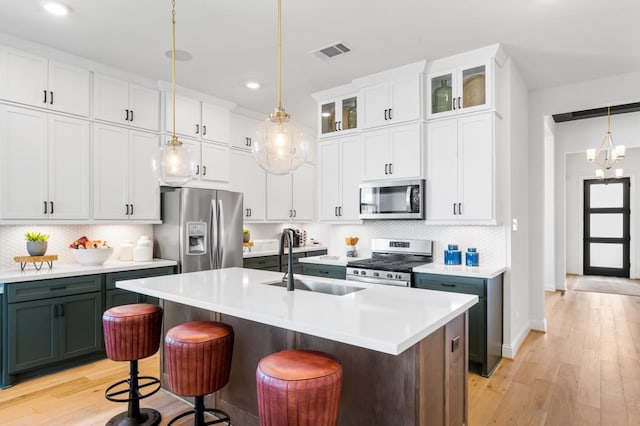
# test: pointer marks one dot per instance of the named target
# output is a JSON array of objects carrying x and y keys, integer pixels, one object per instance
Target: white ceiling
[{"x": 553, "y": 42}]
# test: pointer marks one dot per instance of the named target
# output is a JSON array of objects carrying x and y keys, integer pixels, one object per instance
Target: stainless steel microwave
[{"x": 392, "y": 199}]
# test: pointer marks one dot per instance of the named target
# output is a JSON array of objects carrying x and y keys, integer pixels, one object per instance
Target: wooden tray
[{"x": 23, "y": 260}]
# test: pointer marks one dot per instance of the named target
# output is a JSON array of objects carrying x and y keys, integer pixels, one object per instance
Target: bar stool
[
  {"x": 132, "y": 332},
  {"x": 298, "y": 388},
  {"x": 198, "y": 357}
]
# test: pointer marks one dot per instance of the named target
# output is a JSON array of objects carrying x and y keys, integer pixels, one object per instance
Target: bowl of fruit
[{"x": 90, "y": 252}]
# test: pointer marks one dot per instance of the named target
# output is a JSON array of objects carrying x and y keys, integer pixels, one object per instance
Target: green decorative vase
[{"x": 442, "y": 98}]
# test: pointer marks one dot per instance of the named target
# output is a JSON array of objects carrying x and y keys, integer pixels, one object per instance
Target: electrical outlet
[{"x": 515, "y": 224}]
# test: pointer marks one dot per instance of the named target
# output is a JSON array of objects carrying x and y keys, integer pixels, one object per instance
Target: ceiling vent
[{"x": 332, "y": 51}]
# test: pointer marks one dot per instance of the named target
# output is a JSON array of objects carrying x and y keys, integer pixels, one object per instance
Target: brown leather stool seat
[
  {"x": 299, "y": 388},
  {"x": 198, "y": 358},
  {"x": 132, "y": 332}
]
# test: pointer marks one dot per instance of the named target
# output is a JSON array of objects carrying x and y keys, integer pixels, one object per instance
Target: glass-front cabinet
[
  {"x": 459, "y": 90},
  {"x": 338, "y": 115}
]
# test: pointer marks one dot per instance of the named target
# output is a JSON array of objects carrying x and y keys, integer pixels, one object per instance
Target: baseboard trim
[{"x": 510, "y": 350}]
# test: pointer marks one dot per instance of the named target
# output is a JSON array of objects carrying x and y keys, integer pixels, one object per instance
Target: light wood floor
[{"x": 584, "y": 371}]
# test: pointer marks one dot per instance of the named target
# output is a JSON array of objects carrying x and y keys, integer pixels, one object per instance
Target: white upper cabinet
[
  {"x": 37, "y": 81},
  {"x": 460, "y": 178},
  {"x": 394, "y": 152},
  {"x": 341, "y": 171},
  {"x": 121, "y": 102},
  {"x": 243, "y": 131},
  {"x": 393, "y": 101},
  {"x": 198, "y": 120},
  {"x": 125, "y": 185},
  {"x": 338, "y": 115},
  {"x": 249, "y": 178},
  {"x": 290, "y": 197},
  {"x": 46, "y": 174},
  {"x": 216, "y": 161}
]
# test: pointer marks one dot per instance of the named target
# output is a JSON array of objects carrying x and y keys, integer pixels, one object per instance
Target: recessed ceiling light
[
  {"x": 181, "y": 55},
  {"x": 253, "y": 85},
  {"x": 56, "y": 8}
]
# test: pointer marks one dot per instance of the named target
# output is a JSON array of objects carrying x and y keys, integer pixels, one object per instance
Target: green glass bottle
[{"x": 442, "y": 98}]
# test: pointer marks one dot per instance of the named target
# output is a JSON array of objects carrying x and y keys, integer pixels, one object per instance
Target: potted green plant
[
  {"x": 36, "y": 243},
  {"x": 246, "y": 235}
]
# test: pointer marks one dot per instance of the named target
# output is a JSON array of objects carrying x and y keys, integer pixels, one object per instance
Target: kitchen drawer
[
  {"x": 45, "y": 289},
  {"x": 112, "y": 277},
  {"x": 262, "y": 262},
  {"x": 451, "y": 284},
  {"x": 327, "y": 271},
  {"x": 284, "y": 259},
  {"x": 316, "y": 253},
  {"x": 297, "y": 268}
]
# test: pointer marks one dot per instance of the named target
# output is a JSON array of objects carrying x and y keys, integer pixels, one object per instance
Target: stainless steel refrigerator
[{"x": 201, "y": 228}]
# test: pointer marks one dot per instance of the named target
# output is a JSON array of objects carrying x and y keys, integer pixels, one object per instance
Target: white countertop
[
  {"x": 383, "y": 318},
  {"x": 254, "y": 253},
  {"x": 61, "y": 270},
  {"x": 482, "y": 271}
]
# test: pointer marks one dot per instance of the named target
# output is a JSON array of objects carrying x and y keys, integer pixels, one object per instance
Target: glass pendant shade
[
  {"x": 280, "y": 146},
  {"x": 175, "y": 165}
]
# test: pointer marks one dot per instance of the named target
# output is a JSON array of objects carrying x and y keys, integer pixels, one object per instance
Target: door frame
[{"x": 625, "y": 240}]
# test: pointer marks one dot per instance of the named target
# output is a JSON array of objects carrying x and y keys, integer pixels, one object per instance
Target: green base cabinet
[
  {"x": 326, "y": 271},
  {"x": 116, "y": 296},
  {"x": 485, "y": 318},
  {"x": 267, "y": 263},
  {"x": 279, "y": 263}
]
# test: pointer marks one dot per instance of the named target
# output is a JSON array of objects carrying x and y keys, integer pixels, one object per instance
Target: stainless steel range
[{"x": 391, "y": 262}]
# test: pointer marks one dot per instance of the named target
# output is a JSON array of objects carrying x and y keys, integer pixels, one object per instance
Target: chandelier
[{"x": 607, "y": 154}]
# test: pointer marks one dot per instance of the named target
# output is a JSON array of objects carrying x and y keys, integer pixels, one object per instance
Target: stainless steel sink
[{"x": 319, "y": 286}]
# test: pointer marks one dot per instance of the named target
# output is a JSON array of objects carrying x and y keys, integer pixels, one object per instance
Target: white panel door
[
  {"x": 442, "y": 169},
  {"x": 405, "y": 96},
  {"x": 375, "y": 100},
  {"x": 329, "y": 180},
  {"x": 187, "y": 116},
  {"x": 110, "y": 172},
  {"x": 405, "y": 144},
  {"x": 23, "y": 164},
  {"x": 215, "y": 162},
  {"x": 144, "y": 189},
  {"x": 110, "y": 99},
  {"x": 26, "y": 78},
  {"x": 69, "y": 142},
  {"x": 475, "y": 174},
  {"x": 352, "y": 168},
  {"x": 303, "y": 193},
  {"x": 69, "y": 88},
  {"x": 279, "y": 197},
  {"x": 144, "y": 107},
  {"x": 376, "y": 154},
  {"x": 216, "y": 122},
  {"x": 249, "y": 178}
]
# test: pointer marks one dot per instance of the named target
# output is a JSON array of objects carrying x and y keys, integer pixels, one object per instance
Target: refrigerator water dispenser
[{"x": 196, "y": 238}]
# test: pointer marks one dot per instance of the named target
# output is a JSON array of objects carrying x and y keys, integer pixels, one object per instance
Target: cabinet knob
[
  {"x": 126, "y": 115},
  {"x": 459, "y": 208},
  {"x": 385, "y": 114},
  {"x": 204, "y": 130},
  {"x": 51, "y": 205},
  {"x": 45, "y": 97},
  {"x": 390, "y": 118},
  {"x": 51, "y": 98},
  {"x": 197, "y": 129},
  {"x": 131, "y": 115},
  {"x": 204, "y": 168}
]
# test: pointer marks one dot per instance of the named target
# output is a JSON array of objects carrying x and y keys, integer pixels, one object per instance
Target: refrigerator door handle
[
  {"x": 221, "y": 237},
  {"x": 213, "y": 220}
]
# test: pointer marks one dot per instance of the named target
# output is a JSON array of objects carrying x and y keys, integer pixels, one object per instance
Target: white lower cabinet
[
  {"x": 249, "y": 178},
  {"x": 44, "y": 165},
  {"x": 290, "y": 197},
  {"x": 393, "y": 153},
  {"x": 125, "y": 185},
  {"x": 341, "y": 171},
  {"x": 460, "y": 170}
]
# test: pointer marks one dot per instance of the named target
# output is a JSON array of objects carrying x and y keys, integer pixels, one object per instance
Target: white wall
[{"x": 574, "y": 97}]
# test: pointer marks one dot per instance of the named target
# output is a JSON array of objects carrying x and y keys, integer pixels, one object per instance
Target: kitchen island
[{"x": 403, "y": 350}]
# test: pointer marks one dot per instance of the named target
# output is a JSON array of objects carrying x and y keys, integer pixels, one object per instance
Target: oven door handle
[
  {"x": 370, "y": 280},
  {"x": 409, "y": 198}
]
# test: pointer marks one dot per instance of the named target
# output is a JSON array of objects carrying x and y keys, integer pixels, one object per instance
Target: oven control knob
[
  {"x": 389, "y": 275},
  {"x": 363, "y": 273},
  {"x": 355, "y": 272},
  {"x": 398, "y": 276},
  {"x": 375, "y": 274}
]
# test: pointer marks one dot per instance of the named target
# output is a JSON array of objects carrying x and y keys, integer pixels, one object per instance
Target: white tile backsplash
[{"x": 12, "y": 242}]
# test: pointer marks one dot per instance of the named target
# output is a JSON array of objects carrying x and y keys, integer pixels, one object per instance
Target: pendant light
[
  {"x": 280, "y": 146},
  {"x": 607, "y": 153},
  {"x": 175, "y": 165}
]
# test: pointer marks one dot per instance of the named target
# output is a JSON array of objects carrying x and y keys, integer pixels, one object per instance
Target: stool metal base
[
  {"x": 199, "y": 410},
  {"x": 147, "y": 417}
]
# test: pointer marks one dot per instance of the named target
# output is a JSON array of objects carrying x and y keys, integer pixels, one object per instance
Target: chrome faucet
[{"x": 288, "y": 276}]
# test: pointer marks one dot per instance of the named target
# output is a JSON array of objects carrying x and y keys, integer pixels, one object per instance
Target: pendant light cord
[
  {"x": 173, "y": 66},
  {"x": 279, "y": 55},
  {"x": 609, "y": 120}
]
